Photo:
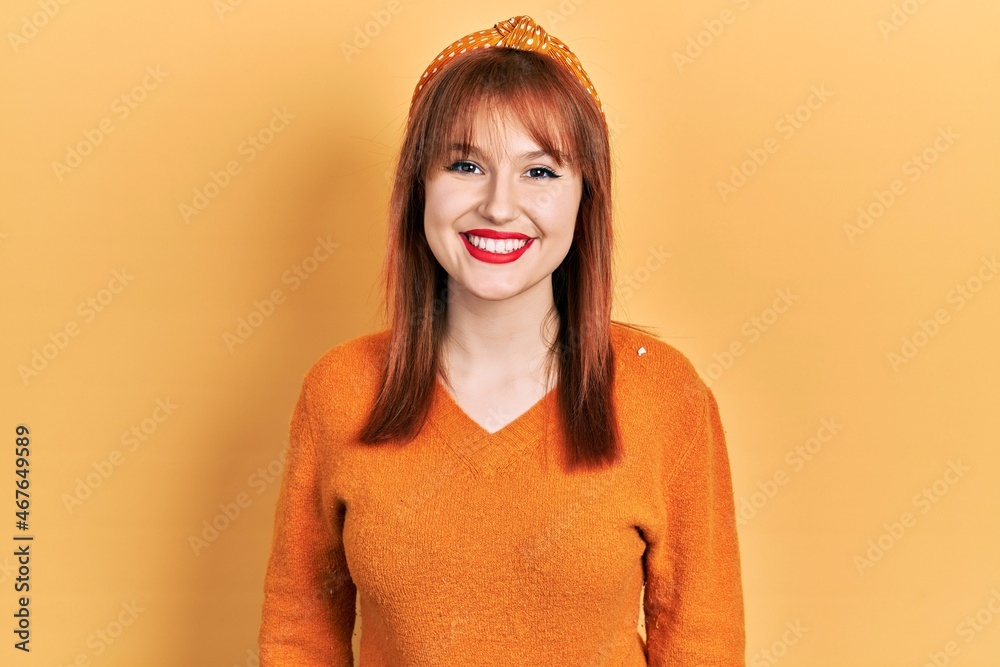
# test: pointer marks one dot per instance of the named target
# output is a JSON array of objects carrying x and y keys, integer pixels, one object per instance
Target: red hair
[{"x": 563, "y": 119}]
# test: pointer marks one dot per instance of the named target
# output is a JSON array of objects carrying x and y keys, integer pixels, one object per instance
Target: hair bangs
[{"x": 522, "y": 90}]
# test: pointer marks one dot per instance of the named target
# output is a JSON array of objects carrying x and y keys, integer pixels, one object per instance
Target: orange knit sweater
[{"x": 480, "y": 549}]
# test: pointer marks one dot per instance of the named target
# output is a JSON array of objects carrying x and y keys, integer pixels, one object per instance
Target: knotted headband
[{"x": 519, "y": 32}]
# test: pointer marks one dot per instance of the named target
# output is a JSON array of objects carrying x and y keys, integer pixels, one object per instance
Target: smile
[
  {"x": 495, "y": 251},
  {"x": 499, "y": 246}
]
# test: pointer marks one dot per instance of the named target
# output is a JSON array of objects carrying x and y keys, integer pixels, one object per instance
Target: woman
[{"x": 501, "y": 471}]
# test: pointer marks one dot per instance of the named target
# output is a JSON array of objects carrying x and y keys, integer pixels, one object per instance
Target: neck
[{"x": 499, "y": 339}]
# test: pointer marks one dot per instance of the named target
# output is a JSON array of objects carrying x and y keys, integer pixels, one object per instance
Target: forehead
[
  {"x": 505, "y": 138},
  {"x": 499, "y": 133}
]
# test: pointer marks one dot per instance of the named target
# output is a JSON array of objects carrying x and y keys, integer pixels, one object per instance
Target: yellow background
[{"x": 693, "y": 91}]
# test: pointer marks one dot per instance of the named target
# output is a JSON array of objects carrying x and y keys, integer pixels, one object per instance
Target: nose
[{"x": 500, "y": 200}]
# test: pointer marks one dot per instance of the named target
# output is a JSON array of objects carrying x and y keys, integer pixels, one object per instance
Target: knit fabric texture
[{"x": 478, "y": 548}]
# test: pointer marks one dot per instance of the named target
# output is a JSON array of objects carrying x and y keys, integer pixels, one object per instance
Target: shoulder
[
  {"x": 360, "y": 355},
  {"x": 656, "y": 383},
  {"x": 349, "y": 372},
  {"x": 644, "y": 358}
]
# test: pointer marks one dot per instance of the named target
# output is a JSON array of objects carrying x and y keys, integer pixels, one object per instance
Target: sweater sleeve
[
  {"x": 308, "y": 612},
  {"x": 693, "y": 601}
]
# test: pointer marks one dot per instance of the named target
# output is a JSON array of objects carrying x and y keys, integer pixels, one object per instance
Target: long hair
[{"x": 564, "y": 121}]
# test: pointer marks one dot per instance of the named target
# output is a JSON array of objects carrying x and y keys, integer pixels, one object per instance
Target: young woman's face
[{"x": 522, "y": 194}]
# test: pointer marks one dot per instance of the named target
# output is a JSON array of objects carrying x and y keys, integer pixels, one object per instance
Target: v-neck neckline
[{"x": 486, "y": 452}]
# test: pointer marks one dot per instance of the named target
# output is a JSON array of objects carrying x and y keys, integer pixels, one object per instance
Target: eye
[
  {"x": 460, "y": 167},
  {"x": 549, "y": 173}
]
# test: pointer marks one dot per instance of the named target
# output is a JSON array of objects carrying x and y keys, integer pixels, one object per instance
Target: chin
[{"x": 488, "y": 291}]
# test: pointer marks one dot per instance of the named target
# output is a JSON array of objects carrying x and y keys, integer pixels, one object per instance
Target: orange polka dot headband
[{"x": 519, "y": 32}]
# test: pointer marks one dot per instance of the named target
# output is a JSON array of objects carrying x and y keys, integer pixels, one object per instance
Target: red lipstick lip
[
  {"x": 494, "y": 257},
  {"x": 494, "y": 234}
]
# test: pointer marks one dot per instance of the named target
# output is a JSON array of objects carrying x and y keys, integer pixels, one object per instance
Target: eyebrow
[{"x": 471, "y": 149}]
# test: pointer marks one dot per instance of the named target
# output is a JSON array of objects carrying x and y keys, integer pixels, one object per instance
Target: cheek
[
  {"x": 565, "y": 207},
  {"x": 442, "y": 206}
]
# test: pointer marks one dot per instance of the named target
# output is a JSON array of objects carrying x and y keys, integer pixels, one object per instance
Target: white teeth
[{"x": 498, "y": 246}]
